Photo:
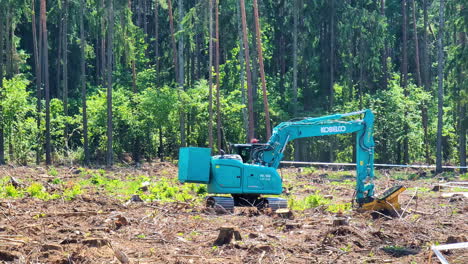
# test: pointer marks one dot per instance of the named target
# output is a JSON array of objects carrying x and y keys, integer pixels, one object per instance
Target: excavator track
[
  {"x": 229, "y": 203},
  {"x": 225, "y": 202},
  {"x": 277, "y": 203}
]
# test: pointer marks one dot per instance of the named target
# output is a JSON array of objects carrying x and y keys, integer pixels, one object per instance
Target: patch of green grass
[
  {"x": 399, "y": 176},
  {"x": 339, "y": 174},
  {"x": 53, "y": 172},
  {"x": 464, "y": 177},
  {"x": 308, "y": 170},
  {"x": 56, "y": 181},
  {"x": 339, "y": 207},
  {"x": 420, "y": 189},
  {"x": 459, "y": 189}
]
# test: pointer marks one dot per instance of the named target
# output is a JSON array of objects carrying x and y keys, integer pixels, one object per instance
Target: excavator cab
[{"x": 247, "y": 150}]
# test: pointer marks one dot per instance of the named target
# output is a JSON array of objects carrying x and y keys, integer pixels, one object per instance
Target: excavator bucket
[{"x": 388, "y": 202}]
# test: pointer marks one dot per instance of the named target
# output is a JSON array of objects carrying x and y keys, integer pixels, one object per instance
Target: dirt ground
[{"x": 95, "y": 227}]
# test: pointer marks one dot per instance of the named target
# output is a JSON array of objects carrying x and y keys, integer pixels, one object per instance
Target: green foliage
[
  {"x": 18, "y": 118},
  {"x": 9, "y": 191},
  {"x": 53, "y": 172},
  {"x": 148, "y": 106},
  {"x": 311, "y": 201},
  {"x": 339, "y": 207},
  {"x": 464, "y": 177},
  {"x": 72, "y": 191},
  {"x": 37, "y": 190}
]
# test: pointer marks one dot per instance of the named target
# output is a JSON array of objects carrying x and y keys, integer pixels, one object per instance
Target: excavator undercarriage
[{"x": 229, "y": 203}]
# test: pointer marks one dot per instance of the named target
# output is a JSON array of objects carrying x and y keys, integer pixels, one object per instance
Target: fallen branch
[{"x": 414, "y": 195}]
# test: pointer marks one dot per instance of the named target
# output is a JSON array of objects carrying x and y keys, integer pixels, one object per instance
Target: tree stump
[
  {"x": 226, "y": 234},
  {"x": 284, "y": 213}
]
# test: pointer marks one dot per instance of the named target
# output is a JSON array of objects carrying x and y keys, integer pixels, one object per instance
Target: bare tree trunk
[
  {"x": 83, "y": 84},
  {"x": 462, "y": 111},
  {"x": 145, "y": 24},
  {"x": 440, "y": 93},
  {"x": 65, "y": 69},
  {"x": 251, "y": 132},
  {"x": 245, "y": 118},
  {"x": 59, "y": 57},
  {"x": 110, "y": 32},
  {"x": 218, "y": 106},
  {"x": 45, "y": 61},
  {"x": 210, "y": 77},
  {"x": 37, "y": 56},
  {"x": 181, "y": 71},
  {"x": 427, "y": 83},
  {"x": 174, "y": 47},
  {"x": 297, "y": 147},
  {"x": 2, "y": 136},
  {"x": 416, "y": 46},
  {"x": 262, "y": 70},
  {"x": 404, "y": 77},
  {"x": 103, "y": 44},
  {"x": 156, "y": 39},
  {"x": 384, "y": 51},
  {"x": 8, "y": 27}
]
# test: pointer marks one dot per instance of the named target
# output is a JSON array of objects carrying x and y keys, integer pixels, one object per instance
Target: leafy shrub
[
  {"x": 11, "y": 191},
  {"x": 71, "y": 192},
  {"x": 37, "y": 190}
]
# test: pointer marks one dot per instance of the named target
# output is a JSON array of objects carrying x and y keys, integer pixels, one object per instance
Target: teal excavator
[{"x": 250, "y": 172}]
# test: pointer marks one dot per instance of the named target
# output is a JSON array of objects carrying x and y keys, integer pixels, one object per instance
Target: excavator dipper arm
[{"x": 272, "y": 153}]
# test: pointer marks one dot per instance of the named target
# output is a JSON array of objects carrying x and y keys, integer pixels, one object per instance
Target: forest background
[{"x": 100, "y": 81}]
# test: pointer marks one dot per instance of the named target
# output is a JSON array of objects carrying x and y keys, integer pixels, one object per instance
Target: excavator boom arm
[{"x": 272, "y": 153}]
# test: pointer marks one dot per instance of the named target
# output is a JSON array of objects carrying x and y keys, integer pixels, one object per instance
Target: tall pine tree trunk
[
  {"x": 181, "y": 71},
  {"x": 245, "y": 117},
  {"x": 404, "y": 76},
  {"x": 65, "y": 70},
  {"x": 384, "y": 52},
  {"x": 45, "y": 63},
  {"x": 427, "y": 83},
  {"x": 218, "y": 103},
  {"x": 332, "y": 71},
  {"x": 262, "y": 70},
  {"x": 2, "y": 136},
  {"x": 440, "y": 90},
  {"x": 297, "y": 148},
  {"x": 173, "y": 42},
  {"x": 210, "y": 77},
  {"x": 156, "y": 39},
  {"x": 462, "y": 112},
  {"x": 416, "y": 45},
  {"x": 251, "y": 131},
  {"x": 110, "y": 32},
  {"x": 37, "y": 57},
  {"x": 83, "y": 84},
  {"x": 103, "y": 44}
]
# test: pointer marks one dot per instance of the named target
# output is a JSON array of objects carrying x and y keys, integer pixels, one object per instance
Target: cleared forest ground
[{"x": 74, "y": 215}]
